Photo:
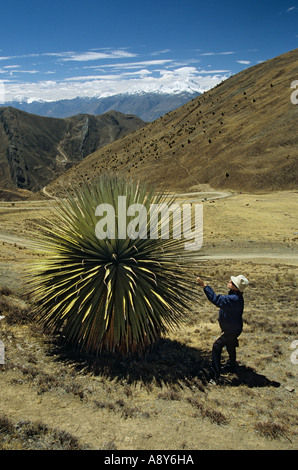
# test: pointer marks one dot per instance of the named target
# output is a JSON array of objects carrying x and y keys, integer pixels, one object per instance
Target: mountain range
[
  {"x": 241, "y": 135},
  {"x": 147, "y": 106},
  {"x": 34, "y": 150}
]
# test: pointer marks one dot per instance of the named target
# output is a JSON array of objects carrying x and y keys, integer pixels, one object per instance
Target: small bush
[
  {"x": 30, "y": 435},
  {"x": 271, "y": 429},
  {"x": 213, "y": 415}
]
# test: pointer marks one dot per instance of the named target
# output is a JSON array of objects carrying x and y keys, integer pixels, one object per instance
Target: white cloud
[
  {"x": 245, "y": 62},
  {"x": 93, "y": 77},
  {"x": 2, "y": 92},
  {"x": 91, "y": 55},
  {"x": 213, "y": 71},
  {"x": 19, "y": 56},
  {"x": 164, "y": 51},
  {"x": 140, "y": 73},
  {"x": 112, "y": 73},
  {"x": 131, "y": 65},
  {"x": 77, "y": 56},
  {"x": 24, "y": 71},
  {"x": 164, "y": 81},
  {"x": 217, "y": 53}
]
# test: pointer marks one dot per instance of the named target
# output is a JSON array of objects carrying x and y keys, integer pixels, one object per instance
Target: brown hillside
[
  {"x": 34, "y": 150},
  {"x": 241, "y": 135}
]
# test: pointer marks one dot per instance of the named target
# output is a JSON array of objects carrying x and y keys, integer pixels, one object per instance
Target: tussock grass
[
  {"x": 272, "y": 429},
  {"x": 27, "y": 435}
]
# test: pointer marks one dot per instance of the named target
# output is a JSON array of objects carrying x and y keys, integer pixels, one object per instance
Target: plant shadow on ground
[{"x": 169, "y": 362}]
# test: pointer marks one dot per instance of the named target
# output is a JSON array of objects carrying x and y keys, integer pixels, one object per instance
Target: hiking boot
[
  {"x": 229, "y": 367},
  {"x": 214, "y": 377}
]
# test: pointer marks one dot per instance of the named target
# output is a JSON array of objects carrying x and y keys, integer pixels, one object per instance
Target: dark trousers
[{"x": 231, "y": 343}]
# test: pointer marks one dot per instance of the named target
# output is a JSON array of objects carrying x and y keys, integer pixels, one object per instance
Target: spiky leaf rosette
[{"x": 116, "y": 294}]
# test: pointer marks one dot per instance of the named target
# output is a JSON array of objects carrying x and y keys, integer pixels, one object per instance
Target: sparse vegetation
[
  {"x": 164, "y": 397},
  {"x": 27, "y": 435},
  {"x": 271, "y": 429},
  {"x": 57, "y": 144},
  {"x": 228, "y": 130},
  {"x": 54, "y": 397}
]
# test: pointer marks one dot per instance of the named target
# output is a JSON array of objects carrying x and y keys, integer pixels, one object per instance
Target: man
[{"x": 230, "y": 320}]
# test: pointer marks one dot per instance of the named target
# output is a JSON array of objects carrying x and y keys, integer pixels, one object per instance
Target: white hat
[{"x": 240, "y": 282}]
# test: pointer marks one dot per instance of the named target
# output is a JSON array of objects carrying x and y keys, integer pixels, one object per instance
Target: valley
[{"x": 233, "y": 150}]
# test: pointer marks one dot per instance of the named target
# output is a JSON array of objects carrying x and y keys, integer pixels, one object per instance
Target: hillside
[
  {"x": 241, "y": 135},
  {"x": 34, "y": 150}
]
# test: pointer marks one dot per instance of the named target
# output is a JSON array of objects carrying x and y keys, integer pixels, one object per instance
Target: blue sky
[{"x": 53, "y": 50}]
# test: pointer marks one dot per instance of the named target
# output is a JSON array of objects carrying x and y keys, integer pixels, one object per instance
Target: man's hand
[{"x": 200, "y": 282}]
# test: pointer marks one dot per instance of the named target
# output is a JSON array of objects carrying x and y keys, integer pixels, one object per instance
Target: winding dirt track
[
  {"x": 195, "y": 197},
  {"x": 11, "y": 206}
]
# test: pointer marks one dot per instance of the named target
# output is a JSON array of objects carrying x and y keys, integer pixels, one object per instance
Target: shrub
[{"x": 108, "y": 294}]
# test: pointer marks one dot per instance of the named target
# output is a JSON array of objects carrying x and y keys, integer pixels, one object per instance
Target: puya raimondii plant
[{"x": 115, "y": 294}]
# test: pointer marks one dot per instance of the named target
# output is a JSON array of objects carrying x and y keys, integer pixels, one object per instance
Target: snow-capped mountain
[{"x": 147, "y": 106}]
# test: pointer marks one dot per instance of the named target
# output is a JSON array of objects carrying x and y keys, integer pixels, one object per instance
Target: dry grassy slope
[
  {"x": 34, "y": 150},
  {"x": 241, "y": 135}
]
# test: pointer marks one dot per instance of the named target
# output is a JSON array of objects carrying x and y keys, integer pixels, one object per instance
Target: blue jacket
[{"x": 231, "y": 309}]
